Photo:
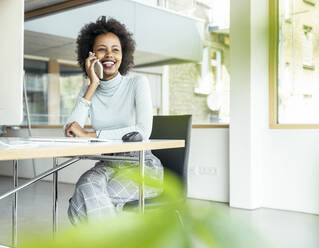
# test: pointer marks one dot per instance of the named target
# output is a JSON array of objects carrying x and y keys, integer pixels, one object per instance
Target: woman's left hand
[{"x": 75, "y": 130}]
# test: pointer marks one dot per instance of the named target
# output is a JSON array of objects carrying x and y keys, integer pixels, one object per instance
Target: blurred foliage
[{"x": 179, "y": 224}]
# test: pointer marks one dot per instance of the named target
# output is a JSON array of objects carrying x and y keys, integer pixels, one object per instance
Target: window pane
[
  {"x": 71, "y": 81},
  {"x": 36, "y": 81},
  {"x": 202, "y": 89},
  {"x": 155, "y": 83},
  {"x": 63, "y": 92},
  {"x": 206, "y": 98},
  {"x": 298, "y": 56}
]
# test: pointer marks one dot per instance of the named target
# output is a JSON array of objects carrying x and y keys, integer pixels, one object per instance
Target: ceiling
[
  {"x": 45, "y": 45},
  {"x": 59, "y": 47},
  {"x": 30, "y": 5}
]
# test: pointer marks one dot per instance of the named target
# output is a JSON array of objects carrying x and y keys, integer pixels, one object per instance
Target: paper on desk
[
  {"x": 66, "y": 140},
  {"x": 16, "y": 143}
]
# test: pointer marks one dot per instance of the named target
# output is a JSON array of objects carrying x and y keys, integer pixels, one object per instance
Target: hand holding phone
[
  {"x": 94, "y": 70},
  {"x": 98, "y": 68}
]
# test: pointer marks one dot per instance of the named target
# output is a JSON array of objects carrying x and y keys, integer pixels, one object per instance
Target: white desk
[{"x": 77, "y": 151}]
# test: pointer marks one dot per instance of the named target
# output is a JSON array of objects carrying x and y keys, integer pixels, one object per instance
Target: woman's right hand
[
  {"x": 94, "y": 80},
  {"x": 74, "y": 129},
  {"x": 89, "y": 67}
]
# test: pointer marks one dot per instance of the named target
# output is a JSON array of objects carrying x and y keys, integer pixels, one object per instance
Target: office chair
[{"x": 173, "y": 160}]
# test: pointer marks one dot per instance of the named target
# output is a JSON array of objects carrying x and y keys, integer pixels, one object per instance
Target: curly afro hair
[{"x": 90, "y": 31}]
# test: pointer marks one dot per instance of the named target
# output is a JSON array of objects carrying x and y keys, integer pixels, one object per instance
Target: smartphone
[{"x": 98, "y": 68}]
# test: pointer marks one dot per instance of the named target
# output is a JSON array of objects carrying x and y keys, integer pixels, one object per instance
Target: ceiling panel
[
  {"x": 35, "y": 42},
  {"x": 30, "y": 5}
]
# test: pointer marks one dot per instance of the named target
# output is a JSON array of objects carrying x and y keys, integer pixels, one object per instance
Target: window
[
  {"x": 52, "y": 90},
  {"x": 36, "y": 82},
  {"x": 71, "y": 82},
  {"x": 155, "y": 83},
  {"x": 202, "y": 89},
  {"x": 294, "y": 84}
]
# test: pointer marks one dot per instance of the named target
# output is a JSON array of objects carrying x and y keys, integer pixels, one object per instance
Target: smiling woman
[{"x": 117, "y": 104}]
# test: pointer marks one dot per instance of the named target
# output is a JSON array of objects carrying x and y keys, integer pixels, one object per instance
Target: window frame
[{"x": 273, "y": 72}]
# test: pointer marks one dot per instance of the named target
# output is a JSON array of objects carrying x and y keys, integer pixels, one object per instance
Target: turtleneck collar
[{"x": 110, "y": 86}]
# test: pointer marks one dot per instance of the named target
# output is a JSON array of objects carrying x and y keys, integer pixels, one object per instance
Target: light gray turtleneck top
[{"x": 118, "y": 106}]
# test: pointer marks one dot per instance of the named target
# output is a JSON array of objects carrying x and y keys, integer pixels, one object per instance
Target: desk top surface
[{"x": 12, "y": 148}]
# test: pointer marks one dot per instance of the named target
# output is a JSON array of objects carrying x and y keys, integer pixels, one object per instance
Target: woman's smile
[{"x": 108, "y": 64}]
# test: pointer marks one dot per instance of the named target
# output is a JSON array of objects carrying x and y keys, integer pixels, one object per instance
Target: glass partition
[
  {"x": 36, "y": 82},
  {"x": 298, "y": 62}
]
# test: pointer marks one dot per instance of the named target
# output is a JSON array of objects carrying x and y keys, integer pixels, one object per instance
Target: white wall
[
  {"x": 248, "y": 70},
  {"x": 208, "y": 174},
  {"x": 268, "y": 168},
  {"x": 291, "y": 170},
  {"x": 11, "y": 63}
]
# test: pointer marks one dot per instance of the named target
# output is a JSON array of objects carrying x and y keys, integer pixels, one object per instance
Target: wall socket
[{"x": 203, "y": 170}]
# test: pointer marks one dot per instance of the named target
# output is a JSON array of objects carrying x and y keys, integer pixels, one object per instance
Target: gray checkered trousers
[{"x": 101, "y": 191}]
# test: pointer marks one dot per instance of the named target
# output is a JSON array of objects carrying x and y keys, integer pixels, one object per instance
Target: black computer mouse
[{"x": 132, "y": 137}]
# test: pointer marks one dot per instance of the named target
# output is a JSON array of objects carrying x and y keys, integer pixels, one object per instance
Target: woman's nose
[{"x": 108, "y": 54}]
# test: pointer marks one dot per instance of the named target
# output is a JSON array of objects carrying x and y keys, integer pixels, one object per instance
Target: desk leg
[
  {"x": 55, "y": 198},
  {"x": 141, "y": 190},
  {"x": 15, "y": 205}
]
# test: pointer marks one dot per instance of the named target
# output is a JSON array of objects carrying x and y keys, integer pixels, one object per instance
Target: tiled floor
[
  {"x": 282, "y": 229},
  {"x": 35, "y": 206}
]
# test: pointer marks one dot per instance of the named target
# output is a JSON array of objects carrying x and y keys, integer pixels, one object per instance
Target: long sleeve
[
  {"x": 143, "y": 113},
  {"x": 80, "y": 112}
]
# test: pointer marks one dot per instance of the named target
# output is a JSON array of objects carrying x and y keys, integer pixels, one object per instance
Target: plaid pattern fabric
[{"x": 102, "y": 190}]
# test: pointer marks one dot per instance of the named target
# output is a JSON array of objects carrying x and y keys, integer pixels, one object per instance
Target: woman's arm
[{"x": 75, "y": 123}]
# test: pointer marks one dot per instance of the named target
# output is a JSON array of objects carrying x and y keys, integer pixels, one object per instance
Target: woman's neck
[{"x": 109, "y": 77}]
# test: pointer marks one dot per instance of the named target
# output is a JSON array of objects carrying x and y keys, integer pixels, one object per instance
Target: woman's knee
[{"x": 92, "y": 176}]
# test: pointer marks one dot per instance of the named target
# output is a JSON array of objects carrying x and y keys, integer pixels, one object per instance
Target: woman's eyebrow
[
  {"x": 106, "y": 46},
  {"x": 101, "y": 45}
]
